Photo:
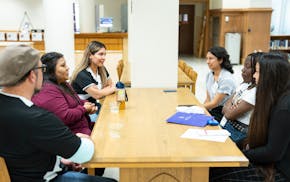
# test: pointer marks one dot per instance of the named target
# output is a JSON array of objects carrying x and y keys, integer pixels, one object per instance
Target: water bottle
[{"x": 121, "y": 95}]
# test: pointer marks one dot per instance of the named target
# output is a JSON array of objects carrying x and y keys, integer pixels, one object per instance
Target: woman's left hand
[
  {"x": 90, "y": 107},
  {"x": 72, "y": 165}
]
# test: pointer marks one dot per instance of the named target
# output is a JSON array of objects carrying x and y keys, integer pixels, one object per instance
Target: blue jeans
[
  {"x": 236, "y": 135},
  {"x": 72, "y": 176}
]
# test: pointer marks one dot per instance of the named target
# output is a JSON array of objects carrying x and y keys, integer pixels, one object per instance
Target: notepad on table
[
  {"x": 191, "y": 119},
  {"x": 220, "y": 135}
]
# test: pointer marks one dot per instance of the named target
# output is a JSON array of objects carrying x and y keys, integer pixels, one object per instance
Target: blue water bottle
[{"x": 121, "y": 95}]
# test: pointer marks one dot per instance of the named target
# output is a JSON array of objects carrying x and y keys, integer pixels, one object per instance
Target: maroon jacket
[{"x": 67, "y": 108}]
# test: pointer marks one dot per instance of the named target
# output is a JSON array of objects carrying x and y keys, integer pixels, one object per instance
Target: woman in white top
[
  {"x": 220, "y": 82},
  {"x": 237, "y": 110}
]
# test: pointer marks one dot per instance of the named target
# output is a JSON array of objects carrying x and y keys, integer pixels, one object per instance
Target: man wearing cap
[{"x": 33, "y": 140}]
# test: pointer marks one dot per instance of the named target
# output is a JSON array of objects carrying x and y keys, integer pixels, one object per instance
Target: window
[{"x": 279, "y": 22}]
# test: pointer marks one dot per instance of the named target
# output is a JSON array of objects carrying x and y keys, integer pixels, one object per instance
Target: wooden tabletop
[
  {"x": 139, "y": 136},
  {"x": 183, "y": 79}
]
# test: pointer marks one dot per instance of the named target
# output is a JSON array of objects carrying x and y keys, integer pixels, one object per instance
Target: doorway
[{"x": 186, "y": 29}]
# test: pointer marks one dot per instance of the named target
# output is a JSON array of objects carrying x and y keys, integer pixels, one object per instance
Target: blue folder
[{"x": 191, "y": 119}]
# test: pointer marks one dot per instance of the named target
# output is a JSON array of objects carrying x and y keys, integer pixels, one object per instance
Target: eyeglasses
[{"x": 43, "y": 68}]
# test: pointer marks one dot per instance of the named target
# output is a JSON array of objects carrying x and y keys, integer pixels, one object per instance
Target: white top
[
  {"x": 224, "y": 85},
  {"x": 247, "y": 95},
  {"x": 96, "y": 77}
]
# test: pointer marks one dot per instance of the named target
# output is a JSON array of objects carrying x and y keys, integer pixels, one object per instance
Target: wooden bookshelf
[
  {"x": 280, "y": 43},
  {"x": 29, "y": 40}
]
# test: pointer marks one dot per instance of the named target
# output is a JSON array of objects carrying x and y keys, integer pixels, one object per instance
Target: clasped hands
[{"x": 90, "y": 107}]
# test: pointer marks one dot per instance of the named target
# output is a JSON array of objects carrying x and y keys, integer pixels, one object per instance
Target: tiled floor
[{"x": 197, "y": 64}]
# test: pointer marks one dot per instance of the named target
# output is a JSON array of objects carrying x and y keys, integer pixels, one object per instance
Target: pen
[
  {"x": 169, "y": 90},
  {"x": 187, "y": 105}
]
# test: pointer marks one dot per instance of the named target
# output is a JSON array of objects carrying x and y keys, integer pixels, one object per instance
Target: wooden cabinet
[
  {"x": 252, "y": 24},
  {"x": 39, "y": 45},
  {"x": 113, "y": 41}
]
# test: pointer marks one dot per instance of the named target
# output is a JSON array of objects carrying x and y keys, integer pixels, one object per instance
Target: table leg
[{"x": 91, "y": 171}]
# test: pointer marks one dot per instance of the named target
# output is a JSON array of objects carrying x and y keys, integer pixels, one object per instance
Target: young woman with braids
[
  {"x": 268, "y": 142},
  {"x": 237, "y": 110},
  {"x": 220, "y": 82}
]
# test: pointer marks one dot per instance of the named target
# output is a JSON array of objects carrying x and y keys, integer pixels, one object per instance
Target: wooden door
[
  {"x": 257, "y": 31},
  {"x": 186, "y": 29}
]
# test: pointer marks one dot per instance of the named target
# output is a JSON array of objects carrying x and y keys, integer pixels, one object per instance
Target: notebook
[{"x": 191, "y": 119}]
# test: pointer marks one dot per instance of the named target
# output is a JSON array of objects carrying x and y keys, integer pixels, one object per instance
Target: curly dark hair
[{"x": 221, "y": 53}]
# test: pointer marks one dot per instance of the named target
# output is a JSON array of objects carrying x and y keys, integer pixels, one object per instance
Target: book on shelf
[{"x": 280, "y": 44}]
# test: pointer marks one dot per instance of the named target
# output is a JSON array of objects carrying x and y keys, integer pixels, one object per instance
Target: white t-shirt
[{"x": 249, "y": 96}]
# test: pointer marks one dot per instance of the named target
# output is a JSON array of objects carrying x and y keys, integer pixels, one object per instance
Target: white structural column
[
  {"x": 87, "y": 16},
  {"x": 153, "y": 43},
  {"x": 59, "y": 29}
]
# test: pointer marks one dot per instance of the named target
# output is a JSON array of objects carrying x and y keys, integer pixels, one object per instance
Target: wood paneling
[
  {"x": 39, "y": 45},
  {"x": 252, "y": 24},
  {"x": 163, "y": 174},
  {"x": 256, "y": 32},
  {"x": 113, "y": 41}
]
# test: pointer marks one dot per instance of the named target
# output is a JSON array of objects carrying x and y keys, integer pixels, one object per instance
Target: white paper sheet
[
  {"x": 190, "y": 109},
  {"x": 210, "y": 135}
]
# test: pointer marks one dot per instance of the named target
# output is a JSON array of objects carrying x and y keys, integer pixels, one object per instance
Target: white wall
[
  {"x": 215, "y": 4},
  {"x": 12, "y": 12},
  {"x": 239, "y": 4},
  {"x": 229, "y": 4},
  {"x": 260, "y": 3},
  {"x": 87, "y": 18},
  {"x": 153, "y": 43},
  {"x": 59, "y": 32}
]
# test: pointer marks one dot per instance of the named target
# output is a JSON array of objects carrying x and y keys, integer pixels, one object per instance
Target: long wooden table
[
  {"x": 140, "y": 142},
  {"x": 183, "y": 79}
]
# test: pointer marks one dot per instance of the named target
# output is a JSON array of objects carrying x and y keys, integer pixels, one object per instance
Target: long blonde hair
[{"x": 92, "y": 48}]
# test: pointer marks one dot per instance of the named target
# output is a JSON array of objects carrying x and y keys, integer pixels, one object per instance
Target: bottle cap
[{"x": 120, "y": 85}]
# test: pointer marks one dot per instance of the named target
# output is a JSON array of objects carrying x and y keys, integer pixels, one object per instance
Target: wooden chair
[
  {"x": 120, "y": 66},
  {"x": 193, "y": 76},
  {"x": 4, "y": 174},
  {"x": 187, "y": 69},
  {"x": 181, "y": 64}
]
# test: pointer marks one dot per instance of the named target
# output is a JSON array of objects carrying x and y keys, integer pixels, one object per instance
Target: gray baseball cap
[{"x": 15, "y": 62}]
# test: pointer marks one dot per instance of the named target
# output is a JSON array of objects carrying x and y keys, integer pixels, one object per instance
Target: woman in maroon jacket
[{"x": 57, "y": 95}]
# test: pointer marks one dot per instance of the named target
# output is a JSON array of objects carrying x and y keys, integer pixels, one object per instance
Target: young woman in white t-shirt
[{"x": 237, "y": 110}]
